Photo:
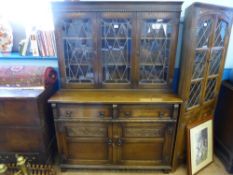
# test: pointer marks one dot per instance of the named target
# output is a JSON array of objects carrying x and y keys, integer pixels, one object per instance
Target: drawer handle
[
  {"x": 109, "y": 141},
  {"x": 119, "y": 142},
  {"x": 101, "y": 114},
  {"x": 161, "y": 114},
  {"x": 127, "y": 114},
  {"x": 68, "y": 113}
]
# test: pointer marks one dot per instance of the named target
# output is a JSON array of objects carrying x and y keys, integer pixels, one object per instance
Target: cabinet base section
[
  {"x": 224, "y": 154},
  {"x": 115, "y": 167}
]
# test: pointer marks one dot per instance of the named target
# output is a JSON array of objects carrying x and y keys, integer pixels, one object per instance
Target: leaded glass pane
[
  {"x": 215, "y": 61},
  {"x": 209, "y": 93},
  {"x": 195, "y": 94},
  {"x": 115, "y": 51},
  {"x": 220, "y": 33},
  {"x": 199, "y": 65},
  {"x": 203, "y": 31},
  {"x": 154, "y": 50},
  {"x": 78, "y": 50}
]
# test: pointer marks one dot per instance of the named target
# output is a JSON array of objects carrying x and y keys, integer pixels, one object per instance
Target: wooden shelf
[
  {"x": 77, "y": 38},
  {"x": 113, "y": 38},
  {"x": 155, "y": 38},
  {"x": 17, "y": 56}
]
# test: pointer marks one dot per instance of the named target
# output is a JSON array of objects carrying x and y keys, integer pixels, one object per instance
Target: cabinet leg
[{"x": 166, "y": 171}]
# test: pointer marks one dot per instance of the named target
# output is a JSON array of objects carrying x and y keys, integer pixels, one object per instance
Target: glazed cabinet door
[
  {"x": 199, "y": 63},
  {"x": 77, "y": 49},
  {"x": 156, "y": 44},
  {"x": 115, "y": 45},
  {"x": 84, "y": 143},
  {"x": 216, "y": 60},
  {"x": 144, "y": 144}
]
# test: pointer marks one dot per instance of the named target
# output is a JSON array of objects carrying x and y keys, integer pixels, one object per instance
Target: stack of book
[{"x": 39, "y": 43}]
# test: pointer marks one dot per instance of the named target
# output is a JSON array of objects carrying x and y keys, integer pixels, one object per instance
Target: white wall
[
  {"x": 186, "y": 3},
  {"x": 227, "y": 3}
]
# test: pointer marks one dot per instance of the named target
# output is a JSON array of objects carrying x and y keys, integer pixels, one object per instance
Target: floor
[{"x": 216, "y": 168}]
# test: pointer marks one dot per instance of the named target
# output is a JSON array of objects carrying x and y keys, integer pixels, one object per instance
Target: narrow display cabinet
[
  {"x": 116, "y": 108},
  {"x": 206, "y": 35}
]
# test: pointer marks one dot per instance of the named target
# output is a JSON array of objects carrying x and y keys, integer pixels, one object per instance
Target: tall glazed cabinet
[
  {"x": 116, "y": 108},
  {"x": 206, "y": 35}
]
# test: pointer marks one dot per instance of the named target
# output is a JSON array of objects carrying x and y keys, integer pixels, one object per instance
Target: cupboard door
[
  {"x": 77, "y": 36},
  {"x": 216, "y": 60},
  {"x": 144, "y": 143},
  {"x": 156, "y": 36},
  {"x": 115, "y": 42},
  {"x": 85, "y": 143},
  {"x": 199, "y": 62}
]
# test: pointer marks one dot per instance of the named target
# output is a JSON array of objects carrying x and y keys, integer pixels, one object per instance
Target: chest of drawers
[{"x": 112, "y": 129}]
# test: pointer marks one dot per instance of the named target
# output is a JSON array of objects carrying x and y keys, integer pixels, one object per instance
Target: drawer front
[
  {"x": 145, "y": 111},
  {"x": 19, "y": 112},
  {"x": 83, "y": 111},
  {"x": 21, "y": 140}
]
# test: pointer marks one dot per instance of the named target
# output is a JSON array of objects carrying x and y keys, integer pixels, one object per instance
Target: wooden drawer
[
  {"x": 19, "y": 113},
  {"x": 21, "y": 140},
  {"x": 83, "y": 111},
  {"x": 145, "y": 111}
]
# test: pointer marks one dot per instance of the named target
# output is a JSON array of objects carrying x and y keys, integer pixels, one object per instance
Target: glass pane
[
  {"x": 203, "y": 31},
  {"x": 215, "y": 61},
  {"x": 115, "y": 51},
  {"x": 154, "y": 50},
  {"x": 78, "y": 50},
  {"x": 209, "y": 94},
  {"x": 199, "y": 65},
  {"x": 194, "y": 95},
  {"x": 220, "y": 33}
]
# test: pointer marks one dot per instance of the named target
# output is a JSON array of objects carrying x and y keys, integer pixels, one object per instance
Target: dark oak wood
[
  {"x": 116, "y": 108},
  {"x": 26, "y": 125},
  {"x": 134, "y": 132},
  {"x": 139, "y": 53},
  {"x": 223, "y": 128},
  {"x": 201, "y": 67}
]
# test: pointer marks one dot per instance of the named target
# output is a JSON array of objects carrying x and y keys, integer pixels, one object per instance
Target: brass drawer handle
[
  {"x": 127, "y": 114},
  {"x": 161, "y": 114},
  {"x": 109, "y": 141},
  {"x": 119, "y": 142},
  {"x": 68, "y": 113},
  {"x": 101, "y": 114}
]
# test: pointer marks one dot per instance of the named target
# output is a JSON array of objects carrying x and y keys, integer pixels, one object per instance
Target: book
[{"x": 34, "y": 45}]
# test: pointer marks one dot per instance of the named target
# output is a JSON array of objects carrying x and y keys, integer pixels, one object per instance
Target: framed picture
[{"x": 200, "y": 145}]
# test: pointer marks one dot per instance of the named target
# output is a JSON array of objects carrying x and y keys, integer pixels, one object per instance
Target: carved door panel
[
  {"x": 115, "y": 49},
  {"x": 144, "y": 143},
  {"x": 85, "y": 142},
  {"x": 77, "y": 45}
]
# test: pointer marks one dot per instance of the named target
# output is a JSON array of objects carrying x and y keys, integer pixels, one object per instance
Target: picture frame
[{"x": 199, "y": 145}]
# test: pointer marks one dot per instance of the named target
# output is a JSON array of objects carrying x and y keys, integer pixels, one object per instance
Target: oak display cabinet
[
  {"x": 116, "y": 108},
  {"x": 206, "y": 36}
]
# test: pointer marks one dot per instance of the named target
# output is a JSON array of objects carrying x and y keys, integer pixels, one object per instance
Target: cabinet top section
[
  {"x": 20, "y": 93},
  {"x": 210, "y": 6},
  {"x": 110, "y": 6},
  {"x": 113, "y": 96}
]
